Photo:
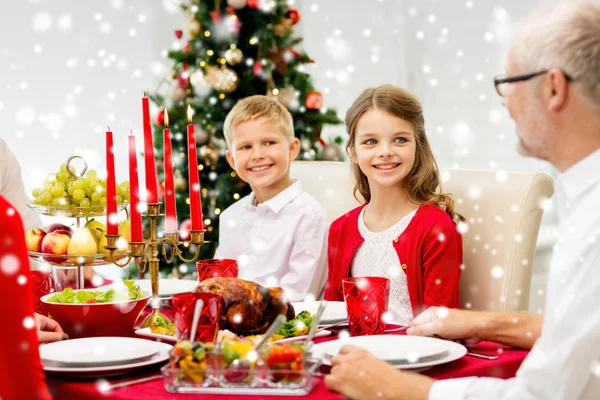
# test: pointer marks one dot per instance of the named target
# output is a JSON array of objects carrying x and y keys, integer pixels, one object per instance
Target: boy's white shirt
[{"x": 281, "y": 242}]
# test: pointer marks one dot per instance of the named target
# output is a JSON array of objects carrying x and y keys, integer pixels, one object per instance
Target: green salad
[
  {"x": 296, "y": 327},
  {"x": 70, "y": 296}
]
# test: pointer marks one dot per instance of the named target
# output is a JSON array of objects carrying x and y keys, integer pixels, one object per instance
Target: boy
[{"x": 278, "y": 233}]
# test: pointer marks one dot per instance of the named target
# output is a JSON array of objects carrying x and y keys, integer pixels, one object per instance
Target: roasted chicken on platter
[{"x": 248, "y": 308}]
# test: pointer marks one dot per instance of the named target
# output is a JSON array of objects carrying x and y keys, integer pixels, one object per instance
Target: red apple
[
  {"x": 59, "y": 227},
  {"x": 33, "y": 239},
  {"x": 69, "y": 233},
  {"x": 55, "y": 243}
]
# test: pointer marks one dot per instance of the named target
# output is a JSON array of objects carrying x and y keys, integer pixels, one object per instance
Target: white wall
[{"x": 68, "y": 69}]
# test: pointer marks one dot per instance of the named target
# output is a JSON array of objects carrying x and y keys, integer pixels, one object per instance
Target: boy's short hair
[{"x": 259, "y": 106}]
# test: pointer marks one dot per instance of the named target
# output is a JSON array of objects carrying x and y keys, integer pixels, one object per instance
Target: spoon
[
  {"x": 314, "y": 325},
  {"x": 196, "y": 319},
  {"x": 238, "y": 370}
]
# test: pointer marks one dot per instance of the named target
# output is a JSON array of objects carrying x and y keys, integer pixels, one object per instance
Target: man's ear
[
  {"x": 294, "y": 149},
  {"x": 558, "y": 87},
  {"x": 230, "y": 159}
]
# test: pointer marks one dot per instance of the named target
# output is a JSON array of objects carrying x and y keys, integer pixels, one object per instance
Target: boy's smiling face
[{"x": 260, "y": 153}]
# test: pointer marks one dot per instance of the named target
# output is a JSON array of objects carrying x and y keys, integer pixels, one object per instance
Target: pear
[
  {"x": 97, "y": 228},
  {"x": 123, "y": 242},
  {"x": 82, "y": 244},
  {"x": 101, "y": 243}
]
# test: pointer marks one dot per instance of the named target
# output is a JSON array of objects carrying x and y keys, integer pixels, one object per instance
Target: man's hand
[
  {"x": 48, "y": 330},
  {"x": 470, "y": 327},
  {"x": 448, "y": 323},
  {"x": 358, "y": 374}
]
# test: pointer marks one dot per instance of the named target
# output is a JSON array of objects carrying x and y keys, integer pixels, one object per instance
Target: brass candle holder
[{"x": 147, "y": 252}]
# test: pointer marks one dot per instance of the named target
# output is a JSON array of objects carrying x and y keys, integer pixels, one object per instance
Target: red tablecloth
[{"x": 67, "y": 388}]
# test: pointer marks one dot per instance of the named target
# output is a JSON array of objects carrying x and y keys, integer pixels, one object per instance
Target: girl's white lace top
[{"x": 376, "y": 256}]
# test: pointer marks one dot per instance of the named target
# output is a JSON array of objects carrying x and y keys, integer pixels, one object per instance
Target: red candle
[
  {"x": 112, "y": 226},
  {"x": 134, "y": 195},
  {"x": 195, "y": 202},
  {"x": 151, "y": 178},
  {"x": 170, "y": 209}
]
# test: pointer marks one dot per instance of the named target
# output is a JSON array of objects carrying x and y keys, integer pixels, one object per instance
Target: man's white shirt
[
  {"x": 564, "y": 363},
  {"x": 11, "y": 187},
  {"x": 281, "y": 242}
]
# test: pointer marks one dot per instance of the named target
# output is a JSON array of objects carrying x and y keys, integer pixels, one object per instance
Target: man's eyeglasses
[{"x": 501, "y": 82}]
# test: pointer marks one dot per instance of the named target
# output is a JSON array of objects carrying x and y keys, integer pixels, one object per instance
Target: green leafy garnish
[
  {"x": 296, "y": 327},
  {"x": 164, "y": 323},
  {"x": 70, "y": 296}
]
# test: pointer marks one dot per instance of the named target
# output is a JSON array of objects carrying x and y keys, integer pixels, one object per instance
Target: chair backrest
[{"x": 503, "y": 212}]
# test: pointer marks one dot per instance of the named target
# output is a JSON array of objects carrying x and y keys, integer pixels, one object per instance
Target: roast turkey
[{"x": 248, "y": 308}]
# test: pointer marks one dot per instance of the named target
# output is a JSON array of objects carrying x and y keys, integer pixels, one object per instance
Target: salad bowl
[{"x": 91, "y": 312}]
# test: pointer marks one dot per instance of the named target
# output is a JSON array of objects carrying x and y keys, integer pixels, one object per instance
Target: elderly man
[{"x": 552, "y": 92}]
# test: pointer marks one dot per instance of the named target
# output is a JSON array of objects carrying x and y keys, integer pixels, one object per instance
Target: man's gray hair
[{"x": 565, "y": 35}]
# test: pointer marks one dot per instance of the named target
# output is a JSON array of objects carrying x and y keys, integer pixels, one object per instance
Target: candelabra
[{"x": 147, "y": 252}]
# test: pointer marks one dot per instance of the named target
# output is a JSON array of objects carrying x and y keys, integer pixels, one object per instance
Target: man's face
[{"x": 526, "y": 108}]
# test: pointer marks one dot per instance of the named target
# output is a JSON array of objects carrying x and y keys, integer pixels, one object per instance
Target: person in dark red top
[
  {"x": 22, "y": 376},
  {"x": 407, "y": 228}
]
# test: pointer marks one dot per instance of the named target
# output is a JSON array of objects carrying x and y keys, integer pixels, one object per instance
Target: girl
[{"x": 405, "y": 231}]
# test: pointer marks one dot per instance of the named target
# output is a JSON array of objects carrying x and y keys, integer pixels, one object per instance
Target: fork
[
  {"x": 324, "y": 327},
  {"x": 106, "y": 388}
]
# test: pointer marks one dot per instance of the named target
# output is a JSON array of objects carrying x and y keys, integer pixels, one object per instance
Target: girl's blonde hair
[{"x": 423, "y": 181}]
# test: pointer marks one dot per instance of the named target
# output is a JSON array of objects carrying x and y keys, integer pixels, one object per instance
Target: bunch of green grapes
[{"x": 64, "y": 190}]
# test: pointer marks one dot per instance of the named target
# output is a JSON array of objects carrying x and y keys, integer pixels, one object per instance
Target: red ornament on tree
[
  {"x": 294, "y": 15},
  {"x": 184, "y": 80},
  {"x": 160, "y": 118},
  {"x": 257, "y": 68},
  {"x": 178, "y": 33},
  {"x": 254, "y": 3},
  {"x": 314, "y": 100},
  {"x": 184, "y": 229}
]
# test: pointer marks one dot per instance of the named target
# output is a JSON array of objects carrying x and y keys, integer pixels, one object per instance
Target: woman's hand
[
  {"x": 358, "y": 374},
  {"x": 48, "y": 330}
]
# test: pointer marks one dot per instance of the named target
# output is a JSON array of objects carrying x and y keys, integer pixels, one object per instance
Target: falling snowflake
[
  {"x": 41, "y": 22},
  {"x": 497, "y": 272},
  {"x": 9, "y": 264},
  {"x": 28, "y": 323},
  {"x": 442, "y": 312}
]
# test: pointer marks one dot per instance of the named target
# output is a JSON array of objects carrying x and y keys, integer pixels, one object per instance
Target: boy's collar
[{"x": 284, "y": 197}]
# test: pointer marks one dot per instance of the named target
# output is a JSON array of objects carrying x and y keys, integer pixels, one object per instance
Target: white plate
[
  {"x": 146, "y": 332},
  {"x": 166, "y": 287},
  {"x": 160, "y": 357},
  {"x": 334, "y": 312},
  {"x": 397, "y": 344},
  {"x": 94, "y": 351}
]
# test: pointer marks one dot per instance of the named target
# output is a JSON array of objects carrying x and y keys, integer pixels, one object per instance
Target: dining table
[{"x": 64, "y": 387}]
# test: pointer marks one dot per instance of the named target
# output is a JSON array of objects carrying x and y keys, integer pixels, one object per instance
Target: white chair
[{"x": 503, "y": 210}]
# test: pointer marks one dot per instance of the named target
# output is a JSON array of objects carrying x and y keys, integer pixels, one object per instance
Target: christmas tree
[{"x": 228, "y": 52}]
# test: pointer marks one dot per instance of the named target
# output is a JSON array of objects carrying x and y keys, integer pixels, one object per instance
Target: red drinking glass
[
  {"x": 208, "y": 323},
  {"x": 217, "y": 267},
  {"x": 366, "y": 302},
  {"x": 41, "y": 282}
]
